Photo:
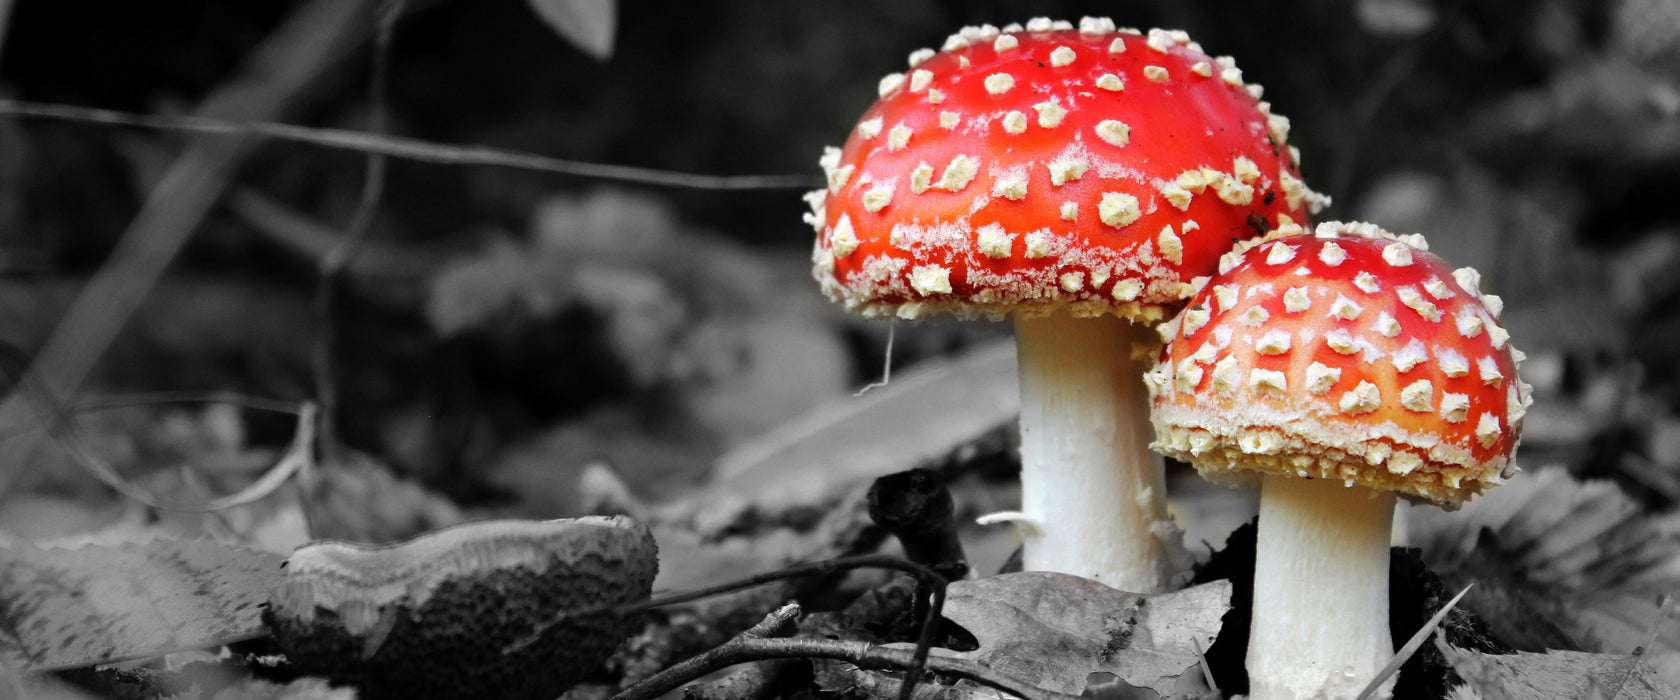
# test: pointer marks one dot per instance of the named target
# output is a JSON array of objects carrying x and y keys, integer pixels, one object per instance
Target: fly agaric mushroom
[
  {"x": 1337, "y": 369},
  {"x": 1077, "y": 179}
]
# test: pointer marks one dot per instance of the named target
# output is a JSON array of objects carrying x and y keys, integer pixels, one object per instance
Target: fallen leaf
[
  {"x": 923, "y": 414},
  {"x": 1561, "y": 563},
  {"x": 1557, "y": 675},
  {"x": 1054, "y": 630},
  {"x": 587, "y": 24},
  {"x": 68, "y": 608}
]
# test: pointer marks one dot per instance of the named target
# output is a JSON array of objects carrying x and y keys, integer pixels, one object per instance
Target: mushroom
[
  {"x": 1078, "y": 179},
  {"x": 1337, "y": 370}
]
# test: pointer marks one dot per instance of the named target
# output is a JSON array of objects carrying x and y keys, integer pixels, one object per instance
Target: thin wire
[{"x": 407, "y": 148}]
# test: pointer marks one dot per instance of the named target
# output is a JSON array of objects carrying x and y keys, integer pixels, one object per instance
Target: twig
[
  {"x": 862, "y": 654},
  {"x": 298, "y": 456},
  {"x": 756, "y": 680},
  {"x": 407, "y": 148},
  {"x": 31, "y": 393},
  {"x": 926, "y": 576},
  {"x": 255, "y": 403},
  {"x": 1665, "y": 609},
  {"x": 105, "y": 403},
  {"x": 332, "y": 266},
  {"x": 1639, "y": 652},
  {"x": 1207, "y": 670}
]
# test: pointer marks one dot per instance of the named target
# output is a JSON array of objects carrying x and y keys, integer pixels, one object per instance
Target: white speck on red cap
[
  {"x": 1345, "y": 308},
  {"x": 931, "y": 279},
  {"x": 1320, "y": 377},
  {"x": 1387, "y": 326},
  {"x": 1274, "y": 342},
  {"x": 1296, "y": 300},
  {"x": 1114, "y": 132},
  {"x": 920, "y": 80},
  {"x": 1361, "y": 399},
  {"x": 1050, "y": 114},
  {"x": 1170, "y": 245},
  {"x": 1469, "y": 324},
  {"x": 1268, "y": 380},
  {"x": 1015, "y": 122},
  {"x": 1412, "y": 355},
  {"x": 1332, "y": 254},
  {"x": 1418, "y": 396}
]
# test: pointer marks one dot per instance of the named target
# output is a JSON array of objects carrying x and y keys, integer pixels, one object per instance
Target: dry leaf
[
  {"x": 1561, "y": 563},
  {"x": 1557, "y": 675},
  {"x": 67, "y": 608},
  {"x": 922, "y": 415},
  {"x": 1054, "y": 630},
  {"x": 587, "y": 24}
]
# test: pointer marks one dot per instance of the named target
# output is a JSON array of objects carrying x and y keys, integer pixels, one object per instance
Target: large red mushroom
[
  {"x": 1336, "y": 370},
  {"x": 1076, "y": 179}
]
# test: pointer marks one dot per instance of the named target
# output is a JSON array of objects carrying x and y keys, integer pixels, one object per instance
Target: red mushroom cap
[
  {"x": 1042, "y": 166},
  {"x": 1348, "y": 354}
]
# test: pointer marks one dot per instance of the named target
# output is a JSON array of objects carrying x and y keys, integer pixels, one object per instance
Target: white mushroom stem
[
  {"x": 1320, "y": 625},
  {"x": 1091, "y": 489}
]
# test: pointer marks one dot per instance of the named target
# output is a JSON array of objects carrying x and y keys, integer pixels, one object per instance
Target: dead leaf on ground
[
  {"x": 1054, "y": 630},
  {"x": 921, "y": 415},
  {"x": 68, "y": 608},
  {"x": 1557, "y": 675},
  {"x": 1580, "y": 558}
]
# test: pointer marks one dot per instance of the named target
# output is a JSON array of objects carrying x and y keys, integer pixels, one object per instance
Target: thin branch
[
  {"x": 925, "y": 576},
  {"x": 862, "y": 654},
  {"x": 106, "y": 403},
  {"x": 408, "y": 148},
  {"x": 150, "y": 398}
]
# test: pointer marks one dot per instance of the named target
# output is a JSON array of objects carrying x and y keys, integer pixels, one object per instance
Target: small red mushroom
[
  {"x": 1336, "y": 369},
  {"x": 1078, "y": 179}
]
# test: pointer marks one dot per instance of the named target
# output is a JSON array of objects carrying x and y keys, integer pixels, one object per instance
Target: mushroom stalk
[
  {"x": 1091, "y": 489},
  {"x": 1320, "y": 625}
]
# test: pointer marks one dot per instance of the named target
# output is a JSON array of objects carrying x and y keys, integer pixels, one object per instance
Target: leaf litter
[{"x": 1055, "y": 630}]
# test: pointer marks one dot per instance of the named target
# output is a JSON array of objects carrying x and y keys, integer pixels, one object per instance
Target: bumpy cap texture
[
  {"x": 1349, "y": 354},
  {"x": 1047, "y": 165}
]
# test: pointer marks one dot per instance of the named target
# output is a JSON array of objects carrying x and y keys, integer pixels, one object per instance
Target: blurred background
[{"x": 502, "y": 330}]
